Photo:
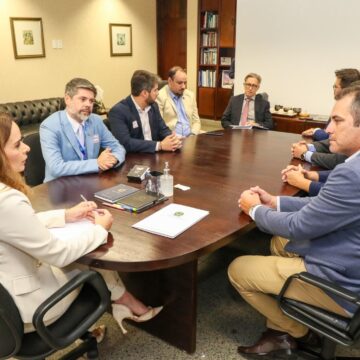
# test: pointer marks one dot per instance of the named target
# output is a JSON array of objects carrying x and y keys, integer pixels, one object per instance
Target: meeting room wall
[
  {"x": 83, "y": 27},
  {"x": 296, "y": 45}
]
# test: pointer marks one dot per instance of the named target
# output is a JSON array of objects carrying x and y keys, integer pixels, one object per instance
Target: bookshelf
[{"x": 216, "y": 47}]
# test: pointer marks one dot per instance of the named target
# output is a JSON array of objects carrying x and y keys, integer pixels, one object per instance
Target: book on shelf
[
  {"x": 226, "y": 81},
  {"x": 209, "y": 38},
  {"x": 207, "y": 78},
  {"x": 171, "y": 220},
  {"x": 115, "y": 193},
  {"x": 209, "y": 20},
  {"x": 208, "y": 56}
]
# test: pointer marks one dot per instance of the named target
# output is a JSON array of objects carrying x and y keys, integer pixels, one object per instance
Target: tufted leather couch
[{"x": 29, "y": 114}]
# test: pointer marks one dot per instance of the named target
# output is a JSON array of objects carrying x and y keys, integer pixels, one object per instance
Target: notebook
[
  {"x": 140, "y": 201},
  {"x": 115, "y": 193},
  {"x": 171, "y": 220}
]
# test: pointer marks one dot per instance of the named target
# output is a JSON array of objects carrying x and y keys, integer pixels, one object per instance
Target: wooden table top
[{"x": 217, "y": 168}]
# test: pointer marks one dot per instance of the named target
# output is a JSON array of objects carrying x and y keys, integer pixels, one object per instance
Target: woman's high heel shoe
[{"x": 121, "y": 312}]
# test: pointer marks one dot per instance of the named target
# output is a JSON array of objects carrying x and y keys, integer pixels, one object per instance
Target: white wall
[
  {"x": 296, "y": 45},
  {"x": 83, "y": 25}
]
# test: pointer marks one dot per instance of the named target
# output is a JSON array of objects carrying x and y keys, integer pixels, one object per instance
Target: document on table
[
  {"x": 171, "y": 220},
  {"x": 72, "y": 230}
]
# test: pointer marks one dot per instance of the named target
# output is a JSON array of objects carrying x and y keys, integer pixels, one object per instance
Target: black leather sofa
[{"x": 29, "y": 114}]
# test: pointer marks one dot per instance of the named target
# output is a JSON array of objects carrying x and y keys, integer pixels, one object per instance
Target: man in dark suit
[
  {"x": 136, "y": 121},
  {"x": 323, "y": 233},
  {"x": 248, "y": 108}
]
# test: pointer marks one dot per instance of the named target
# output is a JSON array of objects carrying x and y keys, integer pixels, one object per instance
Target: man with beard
[
  {"x": 136, "y": 121},
  {"x": 178, "y": 105},
  {"x": 71, "y": 139}
]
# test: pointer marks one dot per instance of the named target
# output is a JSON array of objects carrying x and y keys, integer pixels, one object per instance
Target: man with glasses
[
  {"x": 177, "y": 104},
  {"x": 136, "y": 121},
  {"x": 248, "y": 108}
]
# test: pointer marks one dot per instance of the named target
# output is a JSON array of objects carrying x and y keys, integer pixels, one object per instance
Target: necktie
[
  {"x": 245, "y": 112},
  {"x": 81, "y": 141}
]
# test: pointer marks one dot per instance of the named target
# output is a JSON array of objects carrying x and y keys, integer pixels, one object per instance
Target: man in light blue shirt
[
  {"x": 71, "y": 139},
  {"x": 177, "y": 104}
]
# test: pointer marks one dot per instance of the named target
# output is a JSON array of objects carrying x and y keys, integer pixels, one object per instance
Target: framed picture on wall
[
  {"x": 120, "y": 40},
  {"x": 27, "y": 37},
  {"x": 226, "y": 82}
]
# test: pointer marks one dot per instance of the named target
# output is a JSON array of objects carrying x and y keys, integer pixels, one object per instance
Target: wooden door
[{"x": 171, "y": 34}]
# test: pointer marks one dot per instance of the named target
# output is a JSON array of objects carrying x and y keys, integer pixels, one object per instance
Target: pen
[
  {"x": 83, "y": 197},
  {"x": 119, "y": 207}
]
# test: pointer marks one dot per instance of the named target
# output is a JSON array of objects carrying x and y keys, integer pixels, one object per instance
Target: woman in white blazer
[{"x": 34, "y": 263}]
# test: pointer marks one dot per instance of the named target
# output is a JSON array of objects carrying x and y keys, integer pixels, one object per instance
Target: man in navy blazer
[
  {"x": 71, "y": 139},
  {"x": 136, "y": 121},
  {"x": 259, "y": 108},
  {"x": 323, "y": 233}
]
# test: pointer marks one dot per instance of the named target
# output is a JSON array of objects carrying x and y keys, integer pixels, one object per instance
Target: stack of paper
[{"x": 171, "y": 220}]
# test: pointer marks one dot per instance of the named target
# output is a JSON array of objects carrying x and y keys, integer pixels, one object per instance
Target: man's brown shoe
[{"x": 271, "y": 340}]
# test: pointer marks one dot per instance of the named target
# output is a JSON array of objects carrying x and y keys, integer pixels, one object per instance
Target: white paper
[
  {"x": 182, "y": 187},
  {"x": 241, "y": 127},
  {"x": 171, "y": 220},
  {"x": 71, "y": 230}
]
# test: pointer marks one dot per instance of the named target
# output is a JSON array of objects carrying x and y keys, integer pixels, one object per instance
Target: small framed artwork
[
  {"x": 225, "y": 61},
  {"x": 226, "y": 82},
  {"x": 27, "y": 37},
  {"x": 120, "y": 40}
]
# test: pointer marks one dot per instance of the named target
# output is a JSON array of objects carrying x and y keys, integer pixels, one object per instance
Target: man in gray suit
[
  {"x": 323, "y": 233},
  {"x": 248, "y": 108}
]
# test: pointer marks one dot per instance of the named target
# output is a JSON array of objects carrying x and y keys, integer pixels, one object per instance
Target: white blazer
[{"x": 31, "y": 257}]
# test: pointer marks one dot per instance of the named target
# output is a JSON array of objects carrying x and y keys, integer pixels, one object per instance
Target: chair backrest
[
  {"x": 11, "y": 325},
  {"x": 34, "y": 172}
]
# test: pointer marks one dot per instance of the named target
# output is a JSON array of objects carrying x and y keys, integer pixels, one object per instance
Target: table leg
[{"x": 176, "y": 289}]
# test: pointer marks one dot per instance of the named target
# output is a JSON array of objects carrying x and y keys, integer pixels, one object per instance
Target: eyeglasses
[{"x": 251, "y": 85}]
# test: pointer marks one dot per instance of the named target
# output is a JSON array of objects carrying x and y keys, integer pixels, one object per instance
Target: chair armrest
[
  {"x": 89, "y": 277},
  {"x": 322, "y": 284}
]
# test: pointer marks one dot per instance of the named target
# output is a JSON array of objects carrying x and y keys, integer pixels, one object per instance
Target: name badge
[
  {"x": 96, "y": 139},
  {"x": 135, "y": 124}
]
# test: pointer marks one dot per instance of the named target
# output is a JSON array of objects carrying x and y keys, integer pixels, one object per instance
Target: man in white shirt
[
  {"x": 136, "y": 121},
  {"x": 71, "y": 139},
  {"x": 248, "y": 108}
]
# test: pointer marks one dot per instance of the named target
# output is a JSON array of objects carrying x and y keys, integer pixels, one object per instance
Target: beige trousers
[{"x": 257, "y": 278}]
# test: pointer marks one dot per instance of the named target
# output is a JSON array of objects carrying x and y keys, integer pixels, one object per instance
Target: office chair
[
  {"x": 34, "y": 172},
  {"x": 334, "y": 329},
  {"x": 88, "y": 307}
]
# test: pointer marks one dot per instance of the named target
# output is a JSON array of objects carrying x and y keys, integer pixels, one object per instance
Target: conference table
[{"x": 163, "y": 271}]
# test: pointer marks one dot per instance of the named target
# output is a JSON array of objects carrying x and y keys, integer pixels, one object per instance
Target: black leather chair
[
  {"x": 88, "y": 307},
  {"x": 334, "y": 329},
  {"x": 34, "y": 172}
]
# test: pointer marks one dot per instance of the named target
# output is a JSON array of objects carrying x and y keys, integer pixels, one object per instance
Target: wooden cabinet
[
  {"x": 294, "y": 124},
  {"x": 216, "y": 40}
]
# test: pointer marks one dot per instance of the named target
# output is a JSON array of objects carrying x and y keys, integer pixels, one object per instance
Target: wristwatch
[{"x": 302, "y": 156}]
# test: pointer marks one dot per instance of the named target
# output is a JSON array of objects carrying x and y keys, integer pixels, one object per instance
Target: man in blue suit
[
  {"x": 323, "y": 233},
  {"x": 71, "y": 139},
  {"x": 136, "y": 121}
]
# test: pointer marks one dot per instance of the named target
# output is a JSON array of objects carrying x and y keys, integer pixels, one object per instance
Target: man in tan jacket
[{"x": 178, "y": 105}]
